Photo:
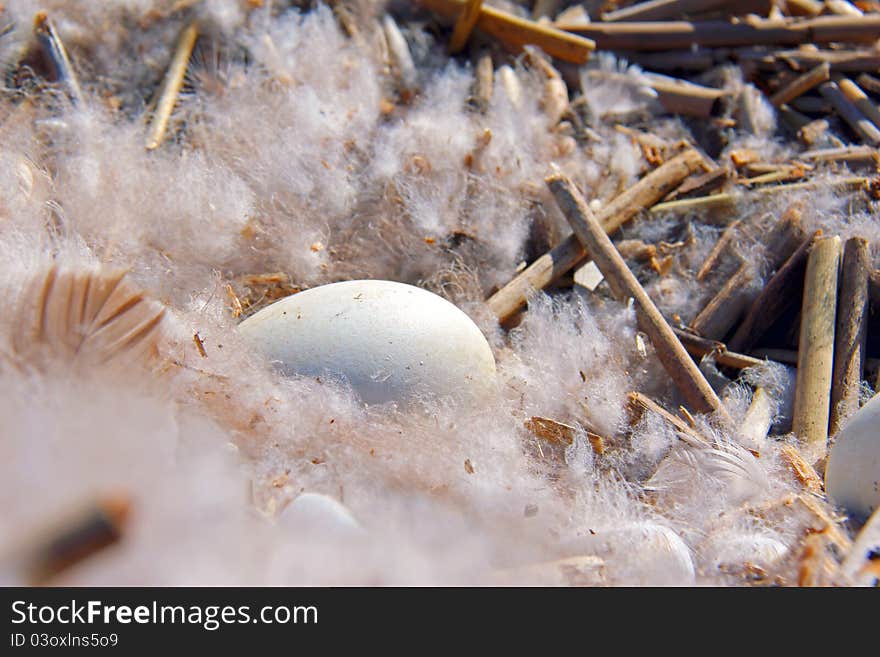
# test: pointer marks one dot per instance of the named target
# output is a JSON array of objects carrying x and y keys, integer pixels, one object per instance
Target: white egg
[
  {"x": 736, "y": 549},
  {"x": 852, "y": 476},
  {"x": 639, "y": 553},
  {"x": 313, "y": 513},
  {"x": 389, "y": 341}
]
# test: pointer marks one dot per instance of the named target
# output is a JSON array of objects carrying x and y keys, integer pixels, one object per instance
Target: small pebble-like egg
[
  {"x": 314, "y": 513},
  {"x": 389, "y": 341},
  {"x": 852, "y": 476}
]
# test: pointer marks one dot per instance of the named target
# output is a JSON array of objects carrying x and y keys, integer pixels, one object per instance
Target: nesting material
[{"x": 310, "y": 147}]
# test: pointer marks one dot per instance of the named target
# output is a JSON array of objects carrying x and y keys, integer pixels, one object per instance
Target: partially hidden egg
[
  {"x": 852, "y": 475},
  {"x": 389, "y": 341}
]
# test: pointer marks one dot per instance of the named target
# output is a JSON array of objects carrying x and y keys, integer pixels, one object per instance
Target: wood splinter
[
  {"x": 676, "y": 361},
  {"x": 812, "y": 402}
]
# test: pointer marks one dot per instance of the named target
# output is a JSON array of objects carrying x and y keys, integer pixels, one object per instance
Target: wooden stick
[
  {"x": 171, "y": 86},
  {"x": 858, "y": 98},
  {"x": 517, "y": 32},
  {"x": 732, "y": 300},
  {"x": 699, "y": 347},
  {"x": 860, "y": 124},
  {"x": 659, "y": 10},
  {"x": 816, "y": 348},
  {"x": 850, "y": 336},
  {"x": 671, "y": 35},
  {"x": 464, "y": 25},
  {"x": 568, "y": 253},
  {"x": 802, "y": 84},
  {"x": 676, "y": 361},
  {"x": 56, "y": 56},
  {"x": 781, "y": 291}
]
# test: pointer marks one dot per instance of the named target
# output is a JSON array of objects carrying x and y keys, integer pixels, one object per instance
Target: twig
[
  {"x": 171, "y": 86},
  {"x": 732, "y": 300},
  {"x": 816, "y": 347},
  {"x": 517, "y": 32},
  {"x": 678, "y": 364},
  {"x": 673, "y": 35},
  {"x": 568, "y": 253},
  {"x": 851, "y": 333},
  {"x": 860, "y": 124},
  {"x": 464, "y": 25},
  {"x": 721, "y": 248},
  {"x": 56, "y": 56},
  {"x": 802, "y": 84},
  {"x": 781, "y": 291}
]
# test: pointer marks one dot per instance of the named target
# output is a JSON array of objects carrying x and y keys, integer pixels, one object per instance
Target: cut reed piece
[
  {"x": 812, "y": 402},
  {"x": 674, "y": 35},
  {"x": 56, "y": 56},
  {"x": 678, "y": 364},
  {"x": 700, "y": 347},
  {"x": 859, "y": 123},
  {"x": 86, "y": 317},
  {"x": 782, "y": 290},
  {"x": 171, "y": 86},
  {"x": 464, "y": 25},
  {"x": 732, "y": 300},
  {"x": 802, "y": 84},
  {"x": 850, "y": 336},
  {"x": 515, "y": 32},
  {"x": 858, "y": 98},
  {"x": 659, "y": 10},
  {"x": 74, "y": 539},
  {"x": 638, "y": 403},
  {"x": 874, "y": 289},
  {"x": 568, "y": 253}
]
